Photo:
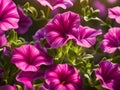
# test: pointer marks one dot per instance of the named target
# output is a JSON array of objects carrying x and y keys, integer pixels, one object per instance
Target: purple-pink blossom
[
  {"x": 8, "y": 15},
  {"x": 60, "y": 29},
  {"x": 29, "y": 58},
  {"x": 24, "y": 23},
  {"x": 54, "y": 4},
  {"x": 62, "y": 77},
  {"x": 109, "y": 75},
  {"x": 86, "y": 36},
  {"x": 111, "y": 40},
  {"x": 27, "y": 78},
  {"x": 114, "y": 13}
]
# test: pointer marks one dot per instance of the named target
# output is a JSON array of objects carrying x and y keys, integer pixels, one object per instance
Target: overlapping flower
[
  {"x": 114, "y": 13},
  {"x": 86, "y": 36},
  {"x": 111, "y": 41},
  {"x": 108, "y": 75},
  {"x": 9, "y": 16},
  {"x": 62, "y": 77},
  {"x": 60, "y": 29},
  {"x": 24, "y": 23},
  {"x": 29, "y": 58},
  {"x": 54, "y": 4}
]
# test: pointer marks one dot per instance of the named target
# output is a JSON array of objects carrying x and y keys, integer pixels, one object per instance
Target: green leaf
[
  {"x": 88, "y": 56},
  {"x": 19, "y": 87},
  {"x": 12, "y": 36},
  {"x": 30, "y": 10},
  {"x": 33, "y": 11},
  {"x": 26, "y": 5}
]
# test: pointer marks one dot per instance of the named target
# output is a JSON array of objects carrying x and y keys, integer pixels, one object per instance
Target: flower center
[{"x": 63, "y": 82}]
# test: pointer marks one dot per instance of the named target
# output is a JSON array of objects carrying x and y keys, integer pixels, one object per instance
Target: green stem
[
  {"x": 65, "y": 52},
  {"x": 98, "y": 19},
  {"x": 48, "y": 12}
]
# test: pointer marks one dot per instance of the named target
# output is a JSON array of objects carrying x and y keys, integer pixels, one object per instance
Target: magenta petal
[
  {"x": 27, "y": 77},
  {"x": 111, "y": 41},
  {"x": 24, "y": 23},
  {"x": 40, "y": 34},
  {"x": 54, "y": 4},
  {"x": 8, "y": 15},
  {"x": 62, "y": 77},
  {"x": 108, "y": 75},
  {"x": 7, "y": 87},
  {"x": 86, "y": 36},
  {"x": 3, "y": 40},
  {"x": 60, "y": 29},
  {"x": 29, "y": 58},
  {"x": 114, "y": 13}
]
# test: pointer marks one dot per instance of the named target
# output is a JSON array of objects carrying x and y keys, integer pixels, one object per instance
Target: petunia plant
[{"x": 59, "y": 45}]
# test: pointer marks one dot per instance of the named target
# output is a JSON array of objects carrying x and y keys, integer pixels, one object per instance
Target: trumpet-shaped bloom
[
  {"x": 114, "y": 13},
  {"x": 62, "y": 77},
  {"x": 54, "y": 4},
  {"x": 27, "y": 78},
  {"x": 24, "y": 23},
  {"x": 60, "y": 29},
  {"x": 86, "y": 36},
  {"x": 111, "y": 41},
  {"x": 108, "y": 75},
  {"x": 8, "y": 15},
  {"x": 29, "y": 58}
]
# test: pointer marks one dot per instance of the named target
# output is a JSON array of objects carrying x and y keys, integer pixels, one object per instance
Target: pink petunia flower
[
  {"x": 29, "y": 58},
  {"x": 62, "y": 77},
  {"x": 54, "y": 4},
  {"x": 24, "y": 23},
  {"x": 109, "y": 75},
  {"x": 60, "y": 29},
  {"x": 114, "y": 13},
  {"x": 111, "y": 41},
  {"x": 8, "y": 15},
  {"x": 27, "y": 78},
  {"x": 86, "y": 36}
]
